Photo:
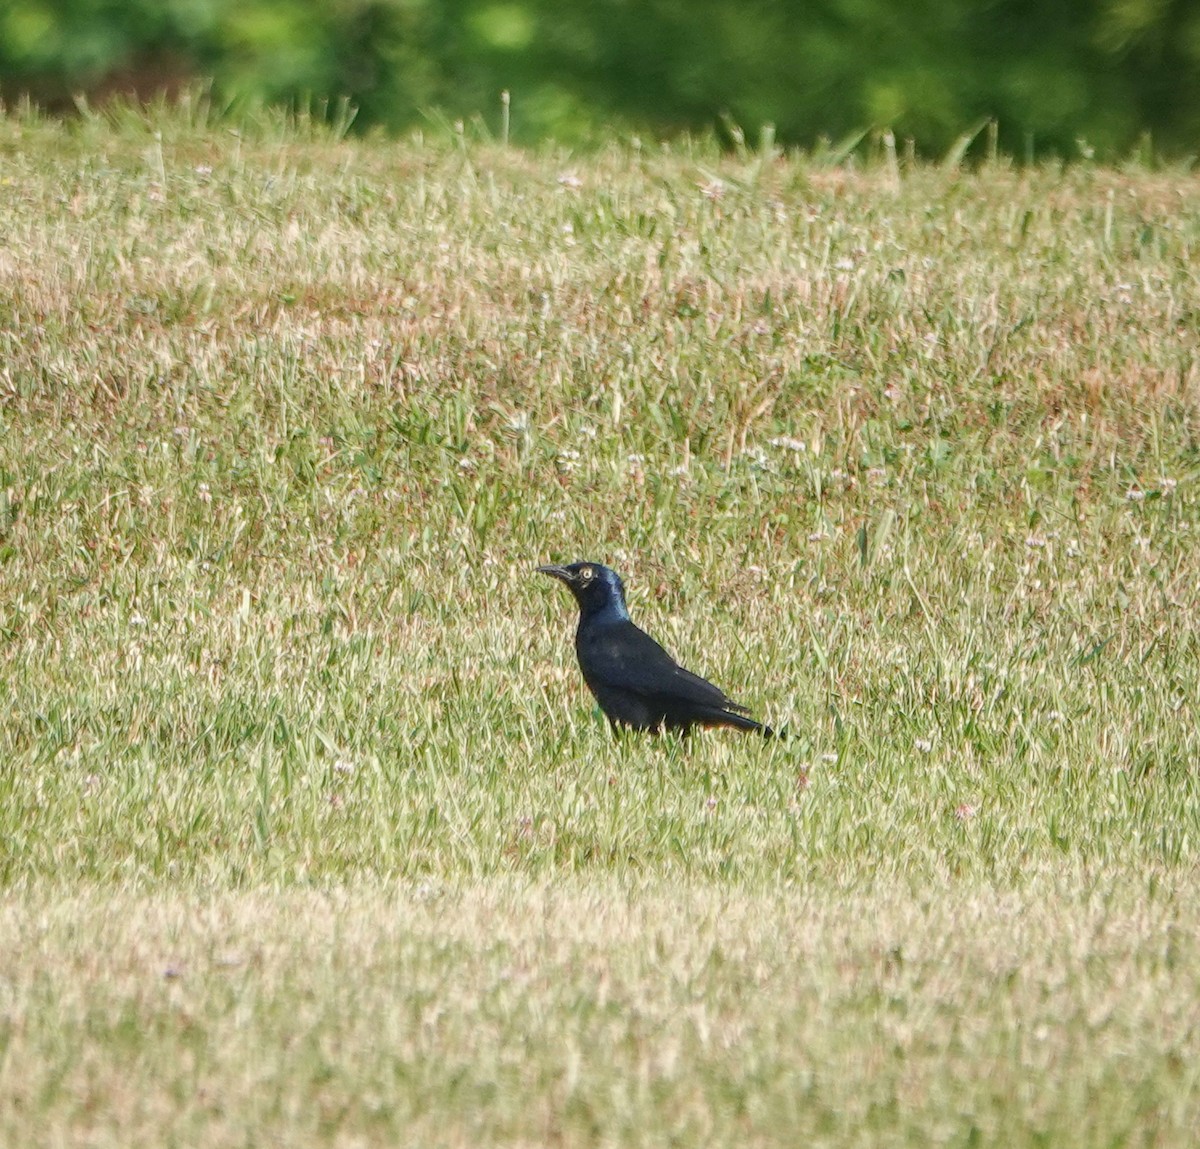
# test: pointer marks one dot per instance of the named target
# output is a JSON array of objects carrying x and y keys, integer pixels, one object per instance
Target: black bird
[{"x": 636, "y": 682}]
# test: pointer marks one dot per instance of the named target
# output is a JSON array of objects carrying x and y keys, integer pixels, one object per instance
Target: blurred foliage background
[{"x": 1094, "y": 75}]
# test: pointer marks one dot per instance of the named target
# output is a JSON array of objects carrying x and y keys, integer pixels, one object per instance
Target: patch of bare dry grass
[{"x": 582, "y": 1013}]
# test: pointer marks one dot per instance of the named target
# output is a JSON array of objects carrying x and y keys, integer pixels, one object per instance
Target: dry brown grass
[{"x": 586, "y": 1013}]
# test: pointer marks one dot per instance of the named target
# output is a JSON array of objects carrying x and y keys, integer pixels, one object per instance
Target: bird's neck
[{"x": 610, "y": 610}]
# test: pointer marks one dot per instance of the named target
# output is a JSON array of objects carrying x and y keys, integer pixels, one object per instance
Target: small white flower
[
  {"x": 788, "y": 443},
  {"x": 1167, "y": 485},
  {"x": 1134, "y": 495},
  {"x": 466, "y": 463},
  {"x": 343, "y": 766},
  {"x": 570, "y": 181},
  {"x": 924, "y": 745}
]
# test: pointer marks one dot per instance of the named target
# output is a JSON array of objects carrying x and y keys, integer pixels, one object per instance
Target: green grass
[{"x": 309, "y": 832}]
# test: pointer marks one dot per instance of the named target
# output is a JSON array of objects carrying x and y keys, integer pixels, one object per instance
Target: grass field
[{"x": 309, "y": 832}]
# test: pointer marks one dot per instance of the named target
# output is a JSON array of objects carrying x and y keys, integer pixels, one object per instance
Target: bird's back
[{"x": 638, "y": 683}]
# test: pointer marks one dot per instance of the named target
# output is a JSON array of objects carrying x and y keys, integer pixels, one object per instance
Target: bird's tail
[{"x": 740, "y": 722}]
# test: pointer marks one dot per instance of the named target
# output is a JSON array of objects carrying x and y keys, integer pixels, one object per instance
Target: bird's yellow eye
[{"x": 586, "y": 574}]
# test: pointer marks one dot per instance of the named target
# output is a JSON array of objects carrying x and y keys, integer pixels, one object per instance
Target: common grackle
[{"x": 636, "y": 682}]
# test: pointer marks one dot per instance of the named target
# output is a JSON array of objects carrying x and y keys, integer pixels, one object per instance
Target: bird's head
[{"x": 596, "y": 588}]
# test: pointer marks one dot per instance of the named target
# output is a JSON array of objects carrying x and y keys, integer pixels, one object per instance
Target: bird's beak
[{"x": 555, "y": 572}]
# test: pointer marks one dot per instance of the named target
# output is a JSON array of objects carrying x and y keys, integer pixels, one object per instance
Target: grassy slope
[{"x": 910, "y": 467}]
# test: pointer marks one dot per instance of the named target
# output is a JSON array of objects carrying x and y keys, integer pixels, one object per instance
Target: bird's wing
[{"x": 625, "y": 656}]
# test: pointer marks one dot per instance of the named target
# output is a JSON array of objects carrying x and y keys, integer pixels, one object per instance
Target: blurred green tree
[{"x": 1103, "y": 71}]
